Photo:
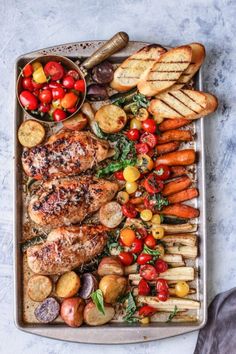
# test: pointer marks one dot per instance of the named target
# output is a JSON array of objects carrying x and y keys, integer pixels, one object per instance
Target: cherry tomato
[
  {"x": 147, "y": 310},
  {"x": 148, "y": 272},
  {"x": 143, "y": 258},
  {"x": 142, "y": 232},
  {"x": 149, "y": 125},
  {"x": 129, "y": 210},
  {"x": 46, "y": 87},
  {"x": 126, "y": 258},
  {"x": 149, "y": 139},
  {"x": 28, "y": 70},
  {"x": 150, "y": 241},
  {"x": 127, "y": 237},
  {"x": 133, "y": 134},
  {"x": 44, "y": 108},
  {"x": 163, "y": 296},
  {"x": 142, "y": 148},
  {"x": 28, "y": 100},
  {"x": 119, "y": 175},
  {"x": 74, "y": 74},
  {"x": 79, "y": 85},
  {"x": 72, "y": 110},
  {"x": 136, "y": 246},
  {"x": 68, "y": 82},
  {"x": 160, "y": 265},
  {"x": 45, "y": 96},
  {"x": 27, "y": 83},
  {"x": 58, "y": 93},
  {"x": 54, "y": 70},
  {"x": 59, "y": 115},
  {"x": 163, "y": 172},
  {"x": 151, "y": 152},
  {"x": 54, "y": 84},
  {"x": 69, "y": 100},
  {"x": 36, "y": 93},
  {"x": 161, "y": 285},
  {"x": 143, "y": 288},
  {"x": 153, "y": 184},
  {"x": 36, "y": 85}
]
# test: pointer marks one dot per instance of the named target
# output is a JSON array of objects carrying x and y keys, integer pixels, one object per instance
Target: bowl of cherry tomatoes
[{"x": 51, "y": 88}]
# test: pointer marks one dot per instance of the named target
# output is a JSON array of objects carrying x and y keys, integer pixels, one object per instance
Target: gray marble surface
[{"x": 29, "y": 25}]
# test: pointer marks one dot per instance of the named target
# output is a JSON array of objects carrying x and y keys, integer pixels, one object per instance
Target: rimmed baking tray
[{"x": 113, "y": 333}]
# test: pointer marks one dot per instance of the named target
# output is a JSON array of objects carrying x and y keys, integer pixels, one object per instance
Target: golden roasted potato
[
  {"x": 68, "y": 284},
  {"x": 77, "y": 122},
  {"x": 39, "y": 287},
  {"x": 110, "y": 215},
  {"x": 109, "y": 266},
  {"x": 111, "y": 118},
  {"x": 112, "y": 287},
  {"x": 93, "y": 317},
  {"x": 72, "y": 311},
  {"x": 31, "y": 133}
]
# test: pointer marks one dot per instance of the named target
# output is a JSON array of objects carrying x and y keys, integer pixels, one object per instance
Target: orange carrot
[
  {"x": 177, "y": 185},
  {"x": 183, "y": 196},
  {"x": 137, "y": 200},
  {"x": 168, "y": 147},
  {"x": 181, "y": 157},
  {"x": 175, "y": 135},
  {"x": 177, "y": 171},
  {"x": 181, "y": 211},
  {"x": 169, "y": 124}
]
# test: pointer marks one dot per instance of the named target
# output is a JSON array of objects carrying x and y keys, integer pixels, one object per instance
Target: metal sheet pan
[{"x": 113, "y": 333}]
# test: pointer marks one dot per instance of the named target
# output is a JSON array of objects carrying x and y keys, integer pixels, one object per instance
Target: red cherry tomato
[
  {"x": 74, "y": 74},
  {"x": 68, "y": 82},
  {"x": 153, "y": 184},
  {"x": 146, "y": 311},
  {"x": 36, "y": 93},
  {"x": 45, "y": 96},
  {"x": 129, "y": 210},
  {"x": 28, "y": 100},
  {"x": 162, "y": 296},
  {"x": 36, "y": 85},
  {"x": 142, "y": 232},
  {"x": 142, "y": 148},
  {"x": 163, "y": 172},
  {"x": 143, "y": 288},
  {"x": 79, "y": 85},
  {"x": 54, "y": 70},
  {"x": 151, "y": 152},
  {"x": 58, "y": 93},
  {"x": 119, "y": 175},
  {"x": 133, "y": 134},
  {"x": 72, "y": 110},
  {"x": 126, "y": 258},
  {"x": 27, "y": 83},
  {"x": 150, "y": 241},
  {"x": 161, "y": 286},
  {"x": 149, "y": 125},
  {"x": 143, "y": 258},
  {"x": 149, "y": 139},
  {"x": 148, "y": 272},
  {"x": 161, "y": 266},
  {"x": 54, "y": 84},
  {"x": 137, "y": 246},
  {"x": 59, "y": 115},
  {"x": 28, "y": 70},
  {"x": 44, "y": 108},
  {"x": 46, "y": 87}
]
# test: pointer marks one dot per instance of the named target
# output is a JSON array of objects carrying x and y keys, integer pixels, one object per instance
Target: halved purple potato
[
  {"x": 89, "y": 285},
  {"x": 47, "y": 311}
]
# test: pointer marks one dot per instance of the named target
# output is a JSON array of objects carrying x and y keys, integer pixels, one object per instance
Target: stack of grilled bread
[{"x": 164, "y": 75}]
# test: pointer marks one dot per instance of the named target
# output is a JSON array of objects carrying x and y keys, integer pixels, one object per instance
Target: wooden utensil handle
[{"x": 113, "y": 45}]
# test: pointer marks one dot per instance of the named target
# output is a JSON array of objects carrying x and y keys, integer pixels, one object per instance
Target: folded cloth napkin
[{"x": 219, "y": 334}]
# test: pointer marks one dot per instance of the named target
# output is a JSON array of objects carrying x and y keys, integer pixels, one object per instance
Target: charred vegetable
[
  {"x": 103, "y": 72},
  {"x": 96, "y": 92}
]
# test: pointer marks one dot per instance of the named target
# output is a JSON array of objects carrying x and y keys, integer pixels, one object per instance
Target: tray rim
[{"x": 127, "y": 333}]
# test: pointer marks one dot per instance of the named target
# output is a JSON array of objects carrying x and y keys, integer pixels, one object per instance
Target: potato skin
[
  {"x": 77, "y": 122},
  {"x": 72, "y": 311},
  {"x": 112, "y": 287},
  {"x": 39, "y": 287},
  {"x": 109, "y": 266},
  {"x": 68, "y": 285},
  {"x": 93, "y": 317}
]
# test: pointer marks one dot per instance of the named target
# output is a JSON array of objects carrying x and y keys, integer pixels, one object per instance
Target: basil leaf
[
  {"x": 115, "y": 166},
  {"x": 97, "y": 298},
  {"x": 150, "y": 251},
  {"x": 130, "y": 309}
]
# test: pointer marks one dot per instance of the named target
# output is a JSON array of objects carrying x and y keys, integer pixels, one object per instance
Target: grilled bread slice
[
  {"x": 128, "y": 73},
  {"x": 186, "y": 104},
  {"x": 166, "y": 71},
  {"x": 198, "y": 56}
]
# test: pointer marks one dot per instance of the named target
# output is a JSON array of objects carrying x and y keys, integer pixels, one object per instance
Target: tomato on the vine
[
  {"x": 143, "y": 287},
  {"x": 126, "y": 258},
  {"x": 133, "y": 134},
  {"x": 129, "y": 210},
  {"x": 162, "y": 171},
  {"x": 149, "y": 125},
  {"x": 153, "y": 184},
  {"x": 149, "y": 138},
  {"x": 143, "y": 258}
]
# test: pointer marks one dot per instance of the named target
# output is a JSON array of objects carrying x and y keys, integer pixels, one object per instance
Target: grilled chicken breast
[
  {"x": 67, "y": 248},
  {"x": 64, "y": 154},
  {"x": 69, "y": 200}
]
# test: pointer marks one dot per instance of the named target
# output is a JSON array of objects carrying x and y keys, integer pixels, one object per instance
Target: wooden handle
[{"x": 113, "y": 45}]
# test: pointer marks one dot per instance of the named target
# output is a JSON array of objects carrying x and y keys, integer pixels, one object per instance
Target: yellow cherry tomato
[
  {"x": 39, "y": 76},
  {"x": 127, "y": 236},
  {"x": 37, "y": 65},
  {"x": 131, "y": 174},
  {"x": 142, "y": 114},
  {"x": 146, "y": 215},
  {"x": 131, "y": 187},
  {"x": 156, "y": 219},
  {"x": 56, "y": 104},
  {"x": 157, "y": 232},
  {"x": 181, "y": 288},
  {"x": 144, "y": 320},
  {"x": 144, "y": 163},
  {"x": 135, "y": 124},
  {"x": 122, "y": 197}
]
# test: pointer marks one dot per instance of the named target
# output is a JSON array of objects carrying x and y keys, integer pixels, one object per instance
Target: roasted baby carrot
[
  {"x": 175, "y": 135},
  {"x": 176, "y": 186},
  {"x": 183, "y": 196},
  {"x": 136, "y": 200},
  {"x": 181, "y": 211},
  {"x": 168, "y": 147},
  {"x": 177, "y": 171},
  {"x": 182, "y": 157},
  {"x": 169, "y": 124}
]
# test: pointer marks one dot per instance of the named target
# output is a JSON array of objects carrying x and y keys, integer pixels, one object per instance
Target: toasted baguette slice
[
  {"x": 128, "y": 73},
  {"x": 166, "y": 71},
  {"x": 198, "y": 56},
  {"x": 186, "y": 104}
]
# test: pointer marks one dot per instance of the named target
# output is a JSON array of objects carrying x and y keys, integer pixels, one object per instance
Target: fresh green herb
[
  {"x": 33, "y": 241},
  {"x": 130, "y": 309},
  {"x": 158, "y": 201},
  {"x": 120, "y": 101},
  {"x": 138, "y": 101},
  {"x": 150, "y": 251},
  {"x": 115, "y": 166},
  {"x": 112, "y": 243},
  {"x": 173, "y": 314},
  {"x": 97, "y": 298},
  {"x": 98, "y": 131}
]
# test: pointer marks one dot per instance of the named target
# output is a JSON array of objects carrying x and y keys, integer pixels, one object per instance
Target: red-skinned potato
[
  {"x": 109, "y": 266},
  {"x": 72, "y": 311},
  {"x": 77, "y": 122},
  {"x": 93, "y": 317},
  {"x": 112, "y": 287}
]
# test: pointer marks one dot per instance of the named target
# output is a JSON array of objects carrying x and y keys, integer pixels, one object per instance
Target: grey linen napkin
[{"x": 219, "y": 334}]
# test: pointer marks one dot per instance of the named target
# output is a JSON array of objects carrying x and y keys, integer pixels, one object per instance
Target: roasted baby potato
[
  {"x": 31, "y": 133},
  {"x": 39, "y": 287},
  {"x": 89, "y": 285},
  {"x": 110, "y": 214},
  {"x": 72, "y": 311},
  {"x": 109, "y": 266},
  {"x": 77, "y": 122},
  {"x": 93, "y": 317},
  {"x": 47, "y": 311},
  {"x": 112, "y": 287},
  {"x": 68, "y": 284},
  {"x": 111, "y": 118}
]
